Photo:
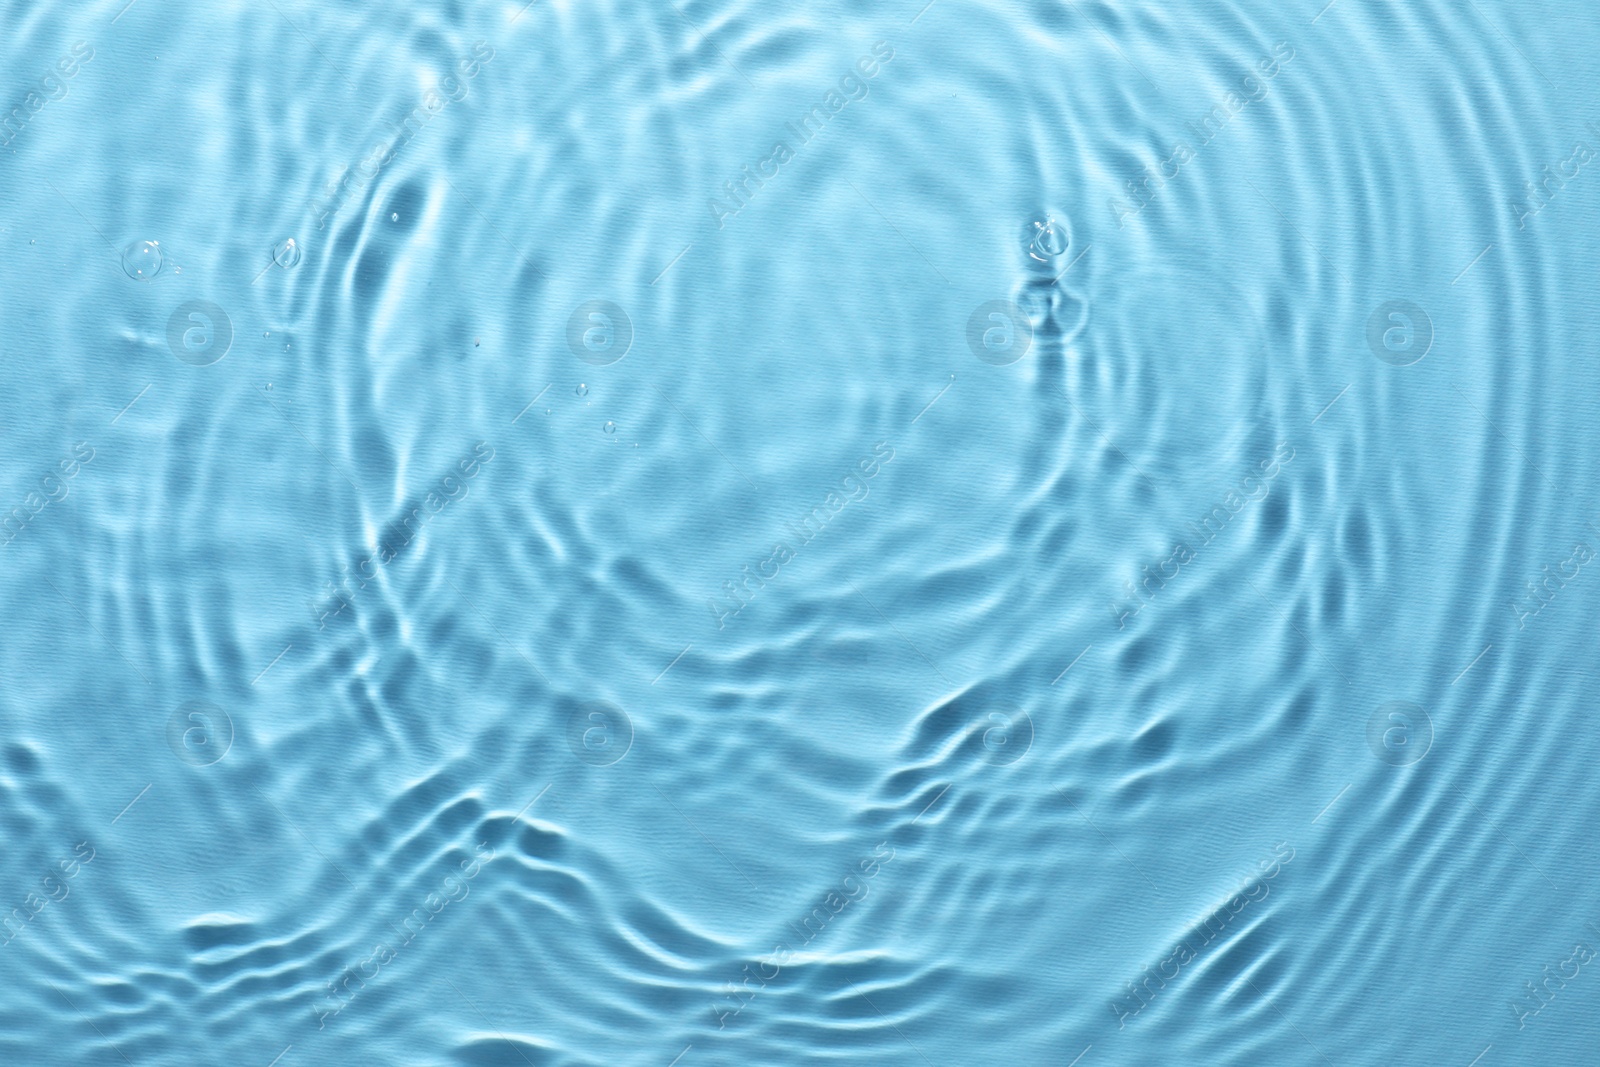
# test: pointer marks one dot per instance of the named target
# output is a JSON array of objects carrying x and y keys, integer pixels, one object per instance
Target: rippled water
[{"x": 695, "y": 534}]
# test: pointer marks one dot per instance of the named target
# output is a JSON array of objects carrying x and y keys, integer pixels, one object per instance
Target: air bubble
[
  {"x": 583, "y": 390},
  {"x": 142, "y": 260},
  {"x": 286, "y": 254},
  {"x": 394, "y": 217},
  {"x": 609, "y": 427}
]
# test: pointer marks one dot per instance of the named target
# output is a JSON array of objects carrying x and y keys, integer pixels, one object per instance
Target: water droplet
[
  {"x": 547, "y": 411},
  {"x": 266, "y": 333},
  {"x": 610, "y": 427},
  {"x": 394, "y": 216},
  {"x": 269, "y": 387},
  {"x": 141, "y": 260},
  {"x": 476, "y": 341},
  {"x": 31, "y": 241},
  {"x": 286, "y": 254},
  {"x": 583, "y": 390}
]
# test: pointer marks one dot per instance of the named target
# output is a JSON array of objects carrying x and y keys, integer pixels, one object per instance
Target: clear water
[{"x": 722, "y": 533}]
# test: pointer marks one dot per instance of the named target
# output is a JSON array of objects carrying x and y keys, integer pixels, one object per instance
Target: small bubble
[
  {"x": 547, "y": 411},
  {"x": 394, "y": 216},
  {"x": 141, "y": 260},
  {"x": 286, "y": 254},
  {"x": 31, "y": 241},
  {"x": 609, "y": 427},
  {"x": 269, "y": 387},
  {"x": 266, "y": 333},
  {"x": 476, "y": 341},
  {"x": 583, "y": 390}
]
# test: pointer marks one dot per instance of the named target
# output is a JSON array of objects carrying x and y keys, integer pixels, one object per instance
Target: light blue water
[{"x": 720, "y": 533}]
